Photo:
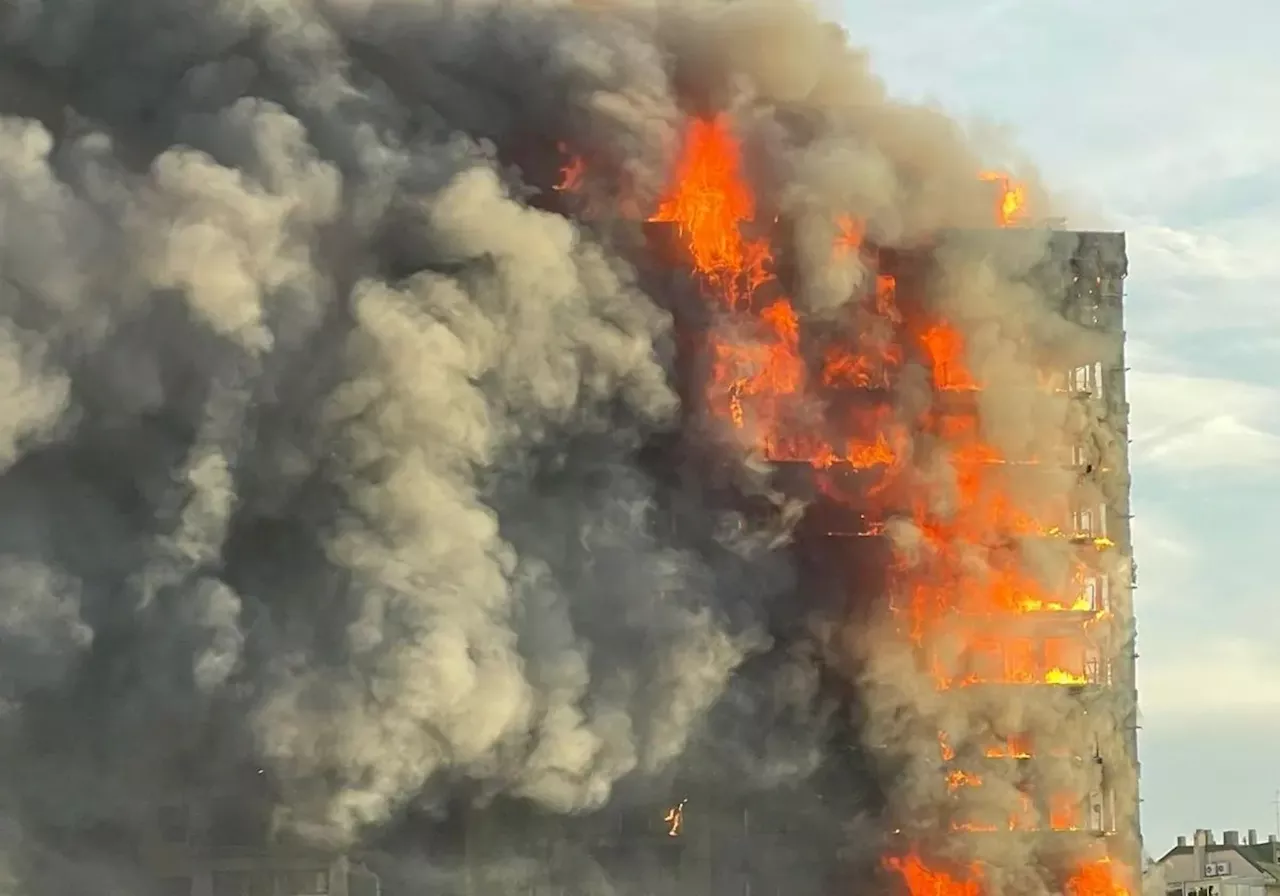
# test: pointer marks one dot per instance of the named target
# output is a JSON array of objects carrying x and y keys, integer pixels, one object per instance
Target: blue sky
[{"x": 1161, "y": 118}]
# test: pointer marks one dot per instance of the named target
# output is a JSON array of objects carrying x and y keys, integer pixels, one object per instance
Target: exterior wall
[
  {"x": 1093, "y": 267},
  {"x": 261, "y": 876},
  {"x": 1184, "y": 869},
  {"x": 1221, "y": 888},
  {"x": 1184, "y": 875},
  {"x": 187, "y": 859}
]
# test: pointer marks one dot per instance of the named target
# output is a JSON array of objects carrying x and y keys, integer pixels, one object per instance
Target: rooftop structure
[{"x": 1234, "y": 867}]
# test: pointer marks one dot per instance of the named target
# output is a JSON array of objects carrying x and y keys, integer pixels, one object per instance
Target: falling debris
[{"x": 675, "y": 819}]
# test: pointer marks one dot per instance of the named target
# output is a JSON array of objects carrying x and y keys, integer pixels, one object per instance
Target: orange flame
[
  {"x": 921, "y": 880},
  {"x": 958, "y": 779},
  {"x": 1014, "y": 747},
  {"x": 1011, "y": 207},
  {"x": 758, "y": 371},
  {"x": 963, "y": 592},
  {"x": 1064, "y": 812},
  {"x": 1099, "y": 878},
  {"x": 851, "y": 235},
  {"x": 710, "y": 201},
  {"x": 572, "y": 172},
  {"x": 997, "y": 659},
  {"x": 944, "y": 347}
]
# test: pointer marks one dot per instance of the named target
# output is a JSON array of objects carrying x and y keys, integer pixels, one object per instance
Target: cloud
[
  {"x": 1185, "y": 423},
  {"x": 1199, "y": 252},
  {"x": 1162, "y": 539},
  {"x": 1212, "y": 675},
  {"x": 1217, "y": 441}
]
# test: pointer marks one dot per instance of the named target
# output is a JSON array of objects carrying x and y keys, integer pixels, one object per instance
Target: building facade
[
  {"x": 1073, "y": 649},
  {"x": 1205, "y": 867},
  {"x": 1077, "y": 802},
  {"x": 1090, "y": 268},
  {"x": 1078, "y": 797},
  {"x": 194, "y": 849}
]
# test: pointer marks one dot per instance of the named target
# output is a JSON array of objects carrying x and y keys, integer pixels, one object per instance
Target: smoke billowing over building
[{"x": 559, "y": 448}]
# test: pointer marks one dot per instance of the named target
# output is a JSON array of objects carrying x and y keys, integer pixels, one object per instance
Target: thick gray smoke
[{"x": 326, "y": 424}]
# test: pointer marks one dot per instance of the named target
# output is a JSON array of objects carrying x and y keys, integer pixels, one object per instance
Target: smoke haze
[{"x": 327, "y": 431}]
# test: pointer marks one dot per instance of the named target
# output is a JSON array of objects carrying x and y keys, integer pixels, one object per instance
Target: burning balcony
[
  {"x": 1060, "y": 812},
  {"x": 968, "y": 658}
]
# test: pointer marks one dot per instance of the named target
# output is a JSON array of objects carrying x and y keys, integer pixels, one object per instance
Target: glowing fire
[
  {"x": 760, "y": 367},
  {"x": 759, "y": 371},
  {"x": 921, "y": 880},
  {"x": 1011, "y": 207},
  {"x": 675, "y": 819},
  {"x": 851, "y": 235},
  {"x": 1064, "y": 812},
  {"x": 963, "y": 593},
  {"x": 709, "y": 202},
  {"x": 1006, "y": 659},
  {"x": 1014, "y": 747},
  {"x": 571, "y": 173},
  {"x": 944, "y": 347},
  {"x": 958, "y": 779},
  {"x": 1100, "y": 878}
]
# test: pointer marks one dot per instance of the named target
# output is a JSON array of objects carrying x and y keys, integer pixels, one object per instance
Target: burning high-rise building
[
  {"x": 553, "y": 447},
  {"x": 972, "y": 548}
]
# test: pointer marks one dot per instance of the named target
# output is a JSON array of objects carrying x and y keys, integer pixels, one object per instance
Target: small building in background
[{"x": 1205, "y": 867}]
